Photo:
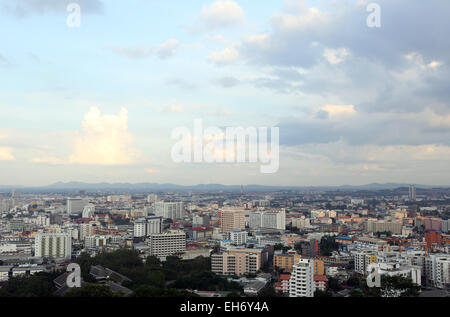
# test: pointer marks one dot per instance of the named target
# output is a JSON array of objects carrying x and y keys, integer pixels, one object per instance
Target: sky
[{"x": 98, "y": 103}]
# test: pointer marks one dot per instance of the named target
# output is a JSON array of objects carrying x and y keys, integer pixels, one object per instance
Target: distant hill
[{"x": 142, "y": 187}]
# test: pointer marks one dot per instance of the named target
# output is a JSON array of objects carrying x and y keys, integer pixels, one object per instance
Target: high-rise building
[
  {"x": 95, "y": 241},
  {"x": 167, "y": 243},
  {"x": 412, "y": 193},
  {"x": 201, "y": 220},
  {"x": 58, "y": 245},
  {"x": 237, "y": 262},
  {"x": 75, "y": 205},
  {"x": 238, "y": 236},
  {"x": 86, "y": 230},
  {"x": 169, "y": 210},
  {"x": 232, "y": 219},
  {"x": 302, "y": 279},
  {"x": 394, "y": 227},
  {"x": 268, "y": 219},
  {"x": 285, "y": 261},
  {"x": 363, "y": 258},
  {"x": 437, "y": 270},
  {"x": 146, "y": 226}
]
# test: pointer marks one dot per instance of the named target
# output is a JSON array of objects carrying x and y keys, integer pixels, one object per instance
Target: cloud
[
  {"x": 180, "y": 83},
  {"x": 220, "y": 14},
  {"x": 6, "y": 154},
  {"x": 339, "y": 110},
  {"x": 335, "y": 56},
  {"x": 48, "y": 160},
  {"x": 227, "y": 81},
  {"x": 104, "y": 140},
  {"x": 166, "y": 49},
  {"x": 333, "y": 123},
  {"x": 23, "y": 8},
  {"x": 4, "y": 62},
  {"x": 162, "y": 51},
  {"x": 218, "y": 38},
  {"x": 226, "y": 56},
  {"x": 151, "y": 171},
  {"x": 172, "y": 108}
]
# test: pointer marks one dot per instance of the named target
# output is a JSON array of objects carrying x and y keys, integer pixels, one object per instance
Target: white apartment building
[
  {"x": 95, "y": 241},
  {"x": 58, "y": 245},
  {"x": 268, "y": 219},
  {"x": 362, "y": 259},
  {"x": 238, "y": 236},
  {"x": 144, "y": 227},
  {"x": 167, "y": 243},
  {"x": 86, "y": 230},
  {"x": 437, "y": 268},
  {"x": 42, "y": 220},
  {"x": 394, "y": 227},
  {"x": 301, "y": 222},
  {"x": 301, "y": 283},
  {"x": 169, "y": 210}
]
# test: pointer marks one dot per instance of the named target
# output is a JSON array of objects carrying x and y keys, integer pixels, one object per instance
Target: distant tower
[
  {"x": 242, "y": 189},
  {"x": 412, "y": 193},
  {"x": 13, "y": 193}
]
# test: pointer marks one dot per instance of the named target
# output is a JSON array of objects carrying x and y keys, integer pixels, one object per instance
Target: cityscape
[
  {"x": 217, "y": 156},
  {"x": 286, "y": 243}
]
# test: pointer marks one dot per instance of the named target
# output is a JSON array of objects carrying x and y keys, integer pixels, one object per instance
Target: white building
[
  {"x": 268, "y": 219},
  {"x": 88, "y": 211},
  {"x": 437, "y": 268},
  {"x": 396, "y": 269},
  {"x": 75, "y": 205},
  {"x": 96, "y": 241},
  {"x": 301, "y": 222},
  {"x": 363, "y": 258},
  {"x": 301, "y": 283},
  {"x": 58, "y": 245},
  {"x": 4, "y": 273},
  {"x": 167, "y": 243},
  {"x": 86, "y": 230},
  {"x": 238, "y": 236},
  {"x": 169, "y": 210},
  {"x": 144, "y": 227}
]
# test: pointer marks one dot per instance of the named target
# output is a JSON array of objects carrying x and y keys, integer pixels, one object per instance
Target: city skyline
[{"x": 97, "y": 103}]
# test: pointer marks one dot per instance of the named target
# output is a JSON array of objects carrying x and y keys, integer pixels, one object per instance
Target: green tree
[
  {"x": 320, "y": 293},
  {"x": 328, "y": 244},
  {"x": 92, "y": 290},
  {"x": 37, "y": 285}
]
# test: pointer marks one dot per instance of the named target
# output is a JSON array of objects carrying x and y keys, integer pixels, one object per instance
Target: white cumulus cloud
[
  {"x": 6, "y": 154},
  {"x": 220, "y": 14},
  {"x": 104, "y": 140}
]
